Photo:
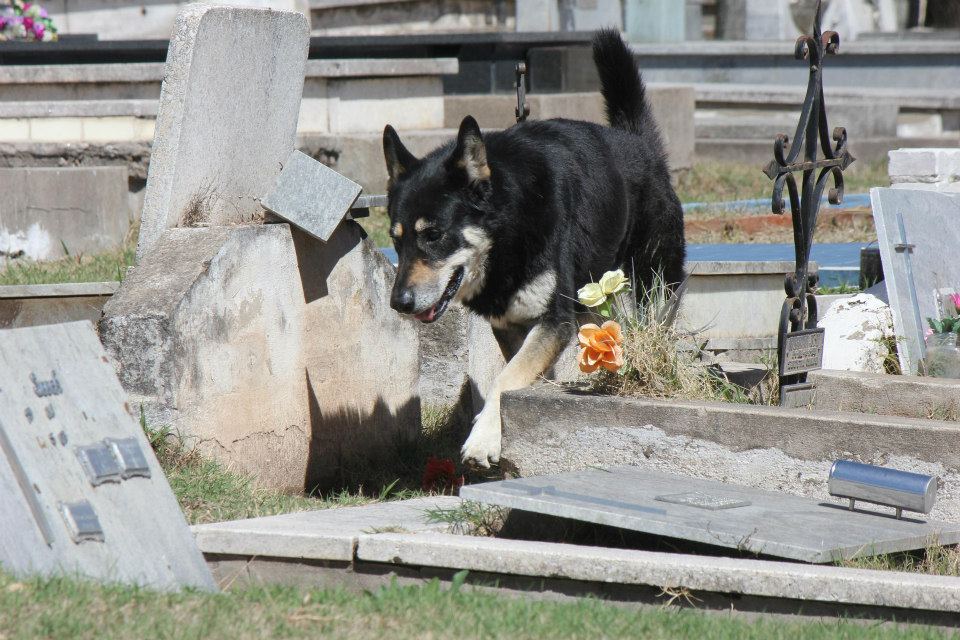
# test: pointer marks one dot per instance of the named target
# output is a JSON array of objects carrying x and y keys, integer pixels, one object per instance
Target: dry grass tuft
[{"x": 655, "y": 366}]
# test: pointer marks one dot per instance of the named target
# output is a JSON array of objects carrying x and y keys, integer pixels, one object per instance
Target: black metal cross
[{"x": 812, "y": 135}]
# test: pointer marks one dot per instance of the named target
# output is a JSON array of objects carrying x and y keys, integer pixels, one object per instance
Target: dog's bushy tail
[{"x": 620, "y": 83}]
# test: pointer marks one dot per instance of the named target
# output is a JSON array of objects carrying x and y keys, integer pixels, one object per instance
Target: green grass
[
  {"x": 65, "y": 608},
  {"x": 101, "y": 267}
]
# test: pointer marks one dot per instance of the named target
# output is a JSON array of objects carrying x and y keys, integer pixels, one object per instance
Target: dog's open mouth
[{"x": 433, "y": 313}]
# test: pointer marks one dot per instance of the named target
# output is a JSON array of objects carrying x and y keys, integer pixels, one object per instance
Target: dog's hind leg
[{"x": 538, "y": 353}]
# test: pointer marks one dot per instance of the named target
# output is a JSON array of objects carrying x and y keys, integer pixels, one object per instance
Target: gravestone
[
  {"x": 227, "y": 118},
  {"x": 716, "y": 513},
  {"x": 311, "y": 195},
  {"x": 918, "y": 234},
  {"x": 80, "y": 488}
]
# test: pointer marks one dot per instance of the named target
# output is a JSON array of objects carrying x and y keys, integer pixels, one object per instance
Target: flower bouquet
[{"x": 26, "y": 21}]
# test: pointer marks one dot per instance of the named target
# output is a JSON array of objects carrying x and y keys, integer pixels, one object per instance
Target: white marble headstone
[{"x": 919, "y": 237}]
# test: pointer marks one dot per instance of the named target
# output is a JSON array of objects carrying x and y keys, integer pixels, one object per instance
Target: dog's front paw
[{"x": 483, "y": 445}]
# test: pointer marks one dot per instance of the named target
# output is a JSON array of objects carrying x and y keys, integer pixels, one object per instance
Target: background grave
[
  {"x": 80, "y": 488},
  {"x": 918, "y": 235},
  {"x": 715, "y": 513}
]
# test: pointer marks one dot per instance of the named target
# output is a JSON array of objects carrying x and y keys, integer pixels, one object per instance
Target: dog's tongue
[{"x": 428, "y": 315}]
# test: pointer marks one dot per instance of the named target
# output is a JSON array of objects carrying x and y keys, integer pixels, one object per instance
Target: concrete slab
[
  {"x": 547, "y": 430},
  {"x": 330, "y": 534},
  {"x": 80, "y": 488},
  {"x": 715, "y": 513},
  {"x": 912, "y": 396},
  {"x": 311, "y": 196},
  {"x": 227, "y": 117},
  {"x": 30, "y": 305},
  {"x": 787, "y": 580},
  {"x": 915, "y": 230}
]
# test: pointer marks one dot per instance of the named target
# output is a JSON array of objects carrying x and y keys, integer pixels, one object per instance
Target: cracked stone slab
[
  {"x": 666, "y": 570},
  {"x": 330, "y": 534},
  {"x": 716, "y": 513},
  {"x": 311, "y": 195}
]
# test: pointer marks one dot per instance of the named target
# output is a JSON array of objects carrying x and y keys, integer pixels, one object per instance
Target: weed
[{"x": 470, "y": 518}]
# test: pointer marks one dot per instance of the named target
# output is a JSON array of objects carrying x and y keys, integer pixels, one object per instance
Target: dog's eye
[{"x": 431, "y": 234}]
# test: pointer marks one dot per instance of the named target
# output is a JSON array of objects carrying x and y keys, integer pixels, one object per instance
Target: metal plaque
[
  {"x": 131, "y": 459},
  {"x": 82, "y": 521},
  {"x": 798, "y": 396},
  {"x": 802, "y": 352},
  {"x": 703, "y": 500},
  {"x": 99, "y": 463}
]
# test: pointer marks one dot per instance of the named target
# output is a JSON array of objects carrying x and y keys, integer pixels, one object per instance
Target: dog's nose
[{"x": 402, "y": 300}]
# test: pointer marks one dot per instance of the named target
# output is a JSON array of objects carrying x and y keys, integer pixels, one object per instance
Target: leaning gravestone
[
  {"x": 918, "y": 233},
  {"x": 227, "y": 117},
  {"x": 81, "y": 491}
]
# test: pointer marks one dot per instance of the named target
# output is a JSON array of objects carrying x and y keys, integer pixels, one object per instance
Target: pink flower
[
  {"x": 28, "y": 23},
  {"x": 38, "y": 31},
  {"x": 955, "y": 297}
]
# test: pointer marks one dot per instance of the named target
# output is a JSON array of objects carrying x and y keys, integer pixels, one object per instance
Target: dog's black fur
[{"x": 573, "y": 197}]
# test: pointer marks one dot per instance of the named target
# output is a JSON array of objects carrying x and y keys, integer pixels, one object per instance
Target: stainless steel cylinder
[{"x": 880, "y": 485}]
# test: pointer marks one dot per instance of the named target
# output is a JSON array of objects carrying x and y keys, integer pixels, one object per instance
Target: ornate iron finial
[{"x": 798, "y": 334}]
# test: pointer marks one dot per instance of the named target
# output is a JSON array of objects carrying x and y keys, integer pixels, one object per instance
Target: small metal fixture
[
  {"x": 523, "y": 109},
  {"x": 881, "y": 485}
]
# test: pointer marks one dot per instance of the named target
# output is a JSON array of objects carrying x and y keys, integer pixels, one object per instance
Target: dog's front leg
[{"x": 537, "y": 354}]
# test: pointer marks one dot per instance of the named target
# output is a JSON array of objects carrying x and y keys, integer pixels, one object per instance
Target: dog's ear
[
  {"x": 399, "y": 160},
  {"x": 470, "y": 154}
]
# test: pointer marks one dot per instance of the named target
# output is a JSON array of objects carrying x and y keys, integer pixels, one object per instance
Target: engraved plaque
[
  {"x": 82, "y": 521},
  {"x": 798, "y": 396},
  {"x": 99, "y": 463},
  {"x": 802, "y": 352},
  {"x": 131, "y": 459},
  {"x": 703, "y": 500}
]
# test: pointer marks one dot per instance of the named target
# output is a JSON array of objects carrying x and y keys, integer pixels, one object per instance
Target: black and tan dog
[{"x": 511, "y": 223}]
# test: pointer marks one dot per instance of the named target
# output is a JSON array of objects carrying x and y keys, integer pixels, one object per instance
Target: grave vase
[{"x": 943, "y": 356}]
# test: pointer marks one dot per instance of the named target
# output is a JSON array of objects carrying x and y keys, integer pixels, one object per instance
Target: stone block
[
  {"x": 330, "y": 534},
  {"x": 274, "y": 352},
  {"x": 933, "y": 169},
  {"x": 81, "y": 491},
  {"x": 227, "y": 117},
  {"x": 82, "y": 209},
  {"x": 909, "y": 396},
  {"x": 733, "y": 299},
  {"x": 699, "y": 573},
  {"x": 34, "y": 305},
  {"x": 56, "y": 130},
  {"x": 14, "y": 130},
  {"x": 548, "y": 431},
  {"x": 311, "y": 196},
  {"x": 537, "y": 15},
  {"x": 815, "y": 530},
  {"x": 369, "y": 104}
]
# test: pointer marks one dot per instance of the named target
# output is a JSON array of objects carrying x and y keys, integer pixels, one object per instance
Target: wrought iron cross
[{"x": 812, "y": 136}]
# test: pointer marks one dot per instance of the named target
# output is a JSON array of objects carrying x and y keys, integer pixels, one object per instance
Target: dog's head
[{"x": 437, "y": 207}]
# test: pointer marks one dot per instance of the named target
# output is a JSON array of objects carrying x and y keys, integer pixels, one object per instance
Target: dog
[{"x": 510, "y": 224}]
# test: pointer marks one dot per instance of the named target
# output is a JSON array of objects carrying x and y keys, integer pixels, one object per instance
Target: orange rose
[{"x": 600, "y": 347}]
